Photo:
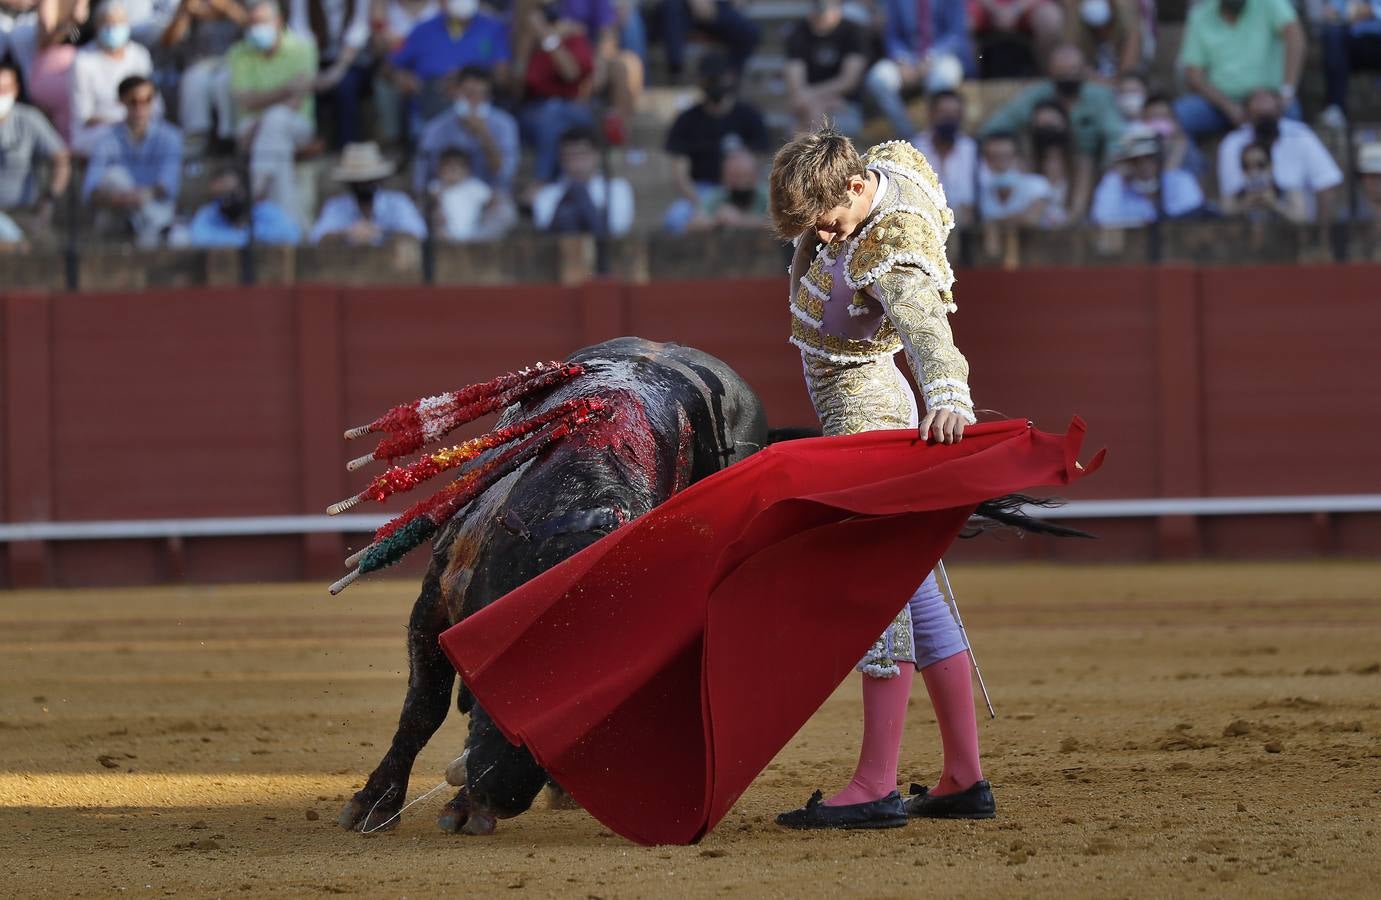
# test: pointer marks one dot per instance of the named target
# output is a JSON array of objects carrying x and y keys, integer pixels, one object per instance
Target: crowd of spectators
[{"x": 464, "y": 119}]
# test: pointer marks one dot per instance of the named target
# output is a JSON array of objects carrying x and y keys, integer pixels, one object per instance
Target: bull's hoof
[
  {"x": 372, "y": 810},
  {"x": 455, "y": 814},
  {"x": 461, "y": 817},
  {"x": 480, "y": 823}
]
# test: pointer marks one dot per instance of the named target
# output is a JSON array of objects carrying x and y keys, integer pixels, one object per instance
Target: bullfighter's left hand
[{"x": 944, "y": 426}]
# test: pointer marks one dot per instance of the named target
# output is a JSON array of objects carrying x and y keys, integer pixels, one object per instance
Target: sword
[{"x": 954, "y": 607}]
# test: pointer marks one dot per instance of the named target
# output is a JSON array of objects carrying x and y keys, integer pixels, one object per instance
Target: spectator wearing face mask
[
  {"x": 366, "y": 214},
  {"x": 272, "y": 82},
  {"x": 1351, "y": 38},
  {"x": 1007, "y": 194},
  {"x": 827, "y": 56},
  {"x": 223, "y": 221},
  {"x": 1069, "y": 174},
  {"x": 1299, "y": 160},
  {"x": 1158, "y": 113},
  {"x": 1260, "y": 199},
  {"x": 580, "y": 201},
  {"x": 1231, "y": 48},
  {"x": 926, "y": 47},
  {"x": 1095, "y": 121},
  {"x": 740, "y": 202},
  {"x": 97, "y": 72},
  {"x": 461, "y": 36},
  {"x": 951, "y": 153},
  {"x": 1138, "y": 190},
  {"x": 136, "y": 168},
  {"x": 1131, "y": 95},
  {"x": 702, "y": 136},
  {"x": 1108, "y": 32},
  {"x": 474, "y": 126},
  {"x": 25, "y": 137}
]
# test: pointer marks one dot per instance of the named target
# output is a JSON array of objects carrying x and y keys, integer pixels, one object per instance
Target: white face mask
[
  {"x": 463, "y": 108},
  {"x": 6, "y": 104},
  {"x": 262, "y": 36},
  {"x": 1130, "y": 104},
  {"x": 1095, "y": 13},
  {"x": 462, "y": 9}
]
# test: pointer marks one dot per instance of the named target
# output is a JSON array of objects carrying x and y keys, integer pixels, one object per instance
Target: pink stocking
[
  {"x": 950, "y": 686},
  {"x": 884, "y": 713}
]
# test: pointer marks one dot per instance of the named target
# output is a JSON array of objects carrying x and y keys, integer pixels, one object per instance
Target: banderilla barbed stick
[{"x": 954, "y": 606}]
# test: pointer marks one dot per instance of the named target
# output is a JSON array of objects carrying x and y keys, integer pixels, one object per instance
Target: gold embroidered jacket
[{"x": 894, "y": 264}]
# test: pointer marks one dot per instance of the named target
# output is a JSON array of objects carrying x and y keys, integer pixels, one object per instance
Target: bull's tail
[{"x": 1010, "y": 512}]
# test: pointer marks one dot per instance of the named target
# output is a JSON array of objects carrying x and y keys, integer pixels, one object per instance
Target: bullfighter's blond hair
[{"x": 811, "y": 175}]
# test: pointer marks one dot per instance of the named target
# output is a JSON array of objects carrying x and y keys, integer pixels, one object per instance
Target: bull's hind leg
[{"x": 430, "y": 676}]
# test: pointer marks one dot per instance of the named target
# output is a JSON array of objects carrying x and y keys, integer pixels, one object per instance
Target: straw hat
[
  {"x": 1369, "y": 159},
  {"x": 362, "y": 162},
  {"x": 1137, "y": 141}
]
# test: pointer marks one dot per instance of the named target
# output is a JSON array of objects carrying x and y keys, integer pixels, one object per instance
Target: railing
[{"x": 255, "y": 526}]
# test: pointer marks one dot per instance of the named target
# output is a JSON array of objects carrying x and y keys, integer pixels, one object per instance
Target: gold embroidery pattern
[
  {"x": 821, "y": 280},
  {"x": 919, "y": 312},
  {"x": 853, "y": 397}
]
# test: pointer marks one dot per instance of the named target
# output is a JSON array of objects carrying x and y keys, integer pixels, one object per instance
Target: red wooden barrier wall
[{"x": 229, "y": 402}]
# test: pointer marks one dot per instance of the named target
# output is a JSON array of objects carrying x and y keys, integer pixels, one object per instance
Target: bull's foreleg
[
  {"x": 430, "y": 677},
  {"x": 501, "y": 780}
]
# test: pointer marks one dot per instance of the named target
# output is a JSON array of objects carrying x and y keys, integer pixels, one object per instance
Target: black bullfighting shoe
[
  {"x": 889, "y": 812},
  {"x": 974, "y": 803}
]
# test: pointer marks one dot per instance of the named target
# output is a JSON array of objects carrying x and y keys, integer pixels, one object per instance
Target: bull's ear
[{"x": 465, "y": 700}]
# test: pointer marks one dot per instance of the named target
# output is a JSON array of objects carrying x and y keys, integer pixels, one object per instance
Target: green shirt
[
  {"x": 251, "y": 70},
  {"x": 1094, "y": 119},
  {"x": 1238, "y": 57}
]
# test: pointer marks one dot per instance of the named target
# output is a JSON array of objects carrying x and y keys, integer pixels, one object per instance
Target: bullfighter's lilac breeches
[
  {"x": 933, "y": 628},
  {"x": 923, "y": 633}
]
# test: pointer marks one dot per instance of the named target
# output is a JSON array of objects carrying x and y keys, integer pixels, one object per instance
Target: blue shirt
[
  {"x": 430, "y": 52},
  {"x": 157, "y": 160},
  {"x": 1116, "y": 205},
  {"x": 446, "y": 132},
  {"x": 949, "y": 31},
  {"x": 393, "y": 212},
  {"x": 209, "y": 228}
]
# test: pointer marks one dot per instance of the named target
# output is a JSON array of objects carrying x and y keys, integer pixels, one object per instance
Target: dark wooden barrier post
[
  {"x": 1179, "y": 406},
  {"x": 28, "y": 434},
  {"x": 321, "y": 383}
]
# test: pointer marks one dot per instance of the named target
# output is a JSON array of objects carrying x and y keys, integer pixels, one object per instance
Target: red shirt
[{"x": 542, "y": 80}]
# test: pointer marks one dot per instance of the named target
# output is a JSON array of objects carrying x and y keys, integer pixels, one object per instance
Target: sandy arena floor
[{"x": 1164, "y": 731}]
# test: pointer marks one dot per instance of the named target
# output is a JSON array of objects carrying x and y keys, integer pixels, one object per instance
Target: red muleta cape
[{"x": 656, "y": 673}]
